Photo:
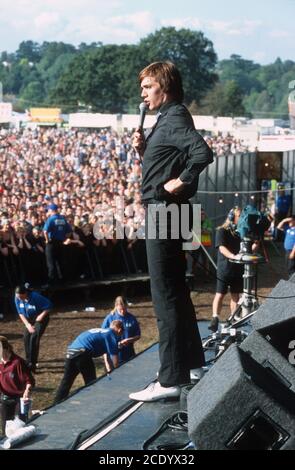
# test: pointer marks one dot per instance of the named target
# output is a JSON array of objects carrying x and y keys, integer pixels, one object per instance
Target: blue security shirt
[
  {"x": 57, "y": 227},
  {"x": 283, "y": 203},
  {"x": 289, "y": 241},
  {"x": 98, "y": 341},
  {"x": 131, "y": 328},
  {"x": 32, "y": 307}
]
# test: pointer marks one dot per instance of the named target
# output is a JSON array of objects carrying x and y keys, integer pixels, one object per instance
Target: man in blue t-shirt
[
  {"x": 56, "y": 230},
  {"x": 288, "y": 226},
  {"x": 283, "y": 204},
  {"x": 91, "y": 343},
  {"x": 131, "y": 332},
  {"x": 33, "y": 310}
]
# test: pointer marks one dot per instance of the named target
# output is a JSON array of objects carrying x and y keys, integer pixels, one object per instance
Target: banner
[{"x": 5, "y": 112}]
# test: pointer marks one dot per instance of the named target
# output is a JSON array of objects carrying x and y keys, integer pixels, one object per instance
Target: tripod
[
  {"x": 217, "y": 343},
  {"x": 248, "y": 302}
]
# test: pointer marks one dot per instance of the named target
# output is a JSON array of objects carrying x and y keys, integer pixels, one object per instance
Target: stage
[
  {"x": 96, "y": 406},
  {"x": 246, "y": 400}
]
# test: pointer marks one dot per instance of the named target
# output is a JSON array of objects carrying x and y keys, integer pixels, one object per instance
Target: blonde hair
[
  {"x": 119, "y": 300},
  {"x": 227, "y": 223}
]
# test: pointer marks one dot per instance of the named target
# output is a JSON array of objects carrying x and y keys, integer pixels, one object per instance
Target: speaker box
[
  {"x": 275, "y": 310},
  {"x": 275, "y": 319},
  {"x": 260, "y": 349},
  {"x": 240, "y": 405}
]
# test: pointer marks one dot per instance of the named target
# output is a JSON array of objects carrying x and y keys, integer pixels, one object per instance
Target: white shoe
[
  {"x": 155, "y": 392},
  {"x": 197, "y": 374}
]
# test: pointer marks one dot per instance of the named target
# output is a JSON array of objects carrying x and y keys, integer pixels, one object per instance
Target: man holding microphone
[{"x": 174, "y": 155}]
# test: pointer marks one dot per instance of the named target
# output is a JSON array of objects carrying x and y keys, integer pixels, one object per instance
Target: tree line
[{"x": 103, "y": 78}]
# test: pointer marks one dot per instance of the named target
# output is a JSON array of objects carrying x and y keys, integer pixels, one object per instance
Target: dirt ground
[{"x": 69, "y": 319}]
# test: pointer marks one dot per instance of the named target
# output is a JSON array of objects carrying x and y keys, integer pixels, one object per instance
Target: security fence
[{"x": 222, "y": 184}]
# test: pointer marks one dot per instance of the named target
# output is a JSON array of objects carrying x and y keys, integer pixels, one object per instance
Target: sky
[{"x": 258, "y": 30}]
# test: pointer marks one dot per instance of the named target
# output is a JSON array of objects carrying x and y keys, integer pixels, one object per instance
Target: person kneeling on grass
[
  {"x": 91, "y": 343},
  {"x": 16, "y": 382}
]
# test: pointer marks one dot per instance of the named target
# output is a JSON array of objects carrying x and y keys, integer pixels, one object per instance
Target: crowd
[
  {"x": 89, "y": 175},
  {"x": 87, "y": 179},
  {"x": 225, "y": 145}
]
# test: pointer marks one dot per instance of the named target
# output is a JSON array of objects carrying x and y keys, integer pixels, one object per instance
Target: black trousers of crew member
[
  {"x": 180, "y": 346},
  {"x": 53, "y": 253},
  {"x": 79, "y": 363},
  {"x": 32, "y": 341},
  {"x": 9, "y": 408}
]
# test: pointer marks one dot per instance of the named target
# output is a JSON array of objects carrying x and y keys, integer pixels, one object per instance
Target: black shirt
[
  {"x": 231, "y": 240},
  {"x": 174, "y": 149}
]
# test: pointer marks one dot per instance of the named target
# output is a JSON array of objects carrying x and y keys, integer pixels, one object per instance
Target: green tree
[
  {"x": 272, "y": 100},
  {"x": 103, "y": 78},
  {"x": 32, "y": 95},
  {"x": 241, "y": 71},
  {"x": 14, "y": 79},
  {"x": 226, "y": 99},
  {"x": 52, "y": 74},
  {"x": 51, "y": 51},
  {"x": 9, "y": 58},
  {"x": 83, "y": 47},
  {"x": 29, "y": 50}
]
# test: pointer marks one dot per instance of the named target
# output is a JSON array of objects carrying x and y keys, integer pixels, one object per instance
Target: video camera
[{"x": 252, "y": 223}]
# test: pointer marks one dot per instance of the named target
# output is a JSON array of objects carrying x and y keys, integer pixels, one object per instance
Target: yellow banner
[{"x": 49, "y": 115}]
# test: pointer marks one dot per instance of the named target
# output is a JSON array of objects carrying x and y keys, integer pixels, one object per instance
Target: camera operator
[{"x": 228, "y": 274}]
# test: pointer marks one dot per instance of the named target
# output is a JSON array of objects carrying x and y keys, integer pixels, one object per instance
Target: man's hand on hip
[{"x": 174, "y": 186}]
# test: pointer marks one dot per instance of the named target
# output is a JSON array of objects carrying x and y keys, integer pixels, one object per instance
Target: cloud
[
  {"x": 115, "y": 29},
  {"x": 234, "y": 28},
  {"x": 228, "y": 28},
  {"x": 88, "y": 29},
  {"x": 47, "y": 21},
  {"x": 74, "y": 21},
  {"x": 258, "y": 56},
  {"x": 116, "y": 21},
  {"x": 219, "y": 26},
  {"x": 276, "y": 33},
  {"x": 189, "y": 22},
  {"x": 141, "y": 21},
  {"x": 61, "y": 6}
]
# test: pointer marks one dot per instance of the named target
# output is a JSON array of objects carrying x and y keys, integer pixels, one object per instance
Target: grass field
[{"x": 67, "y": 322}]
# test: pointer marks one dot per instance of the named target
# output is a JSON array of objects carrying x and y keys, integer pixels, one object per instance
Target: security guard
[
  {"x": 56, "y": 230},
  {"x": 33, "y": 310},
  {"x": 91, "y": 343}
]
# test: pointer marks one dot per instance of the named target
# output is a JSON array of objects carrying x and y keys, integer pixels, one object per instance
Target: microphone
[{"x": 142, "y": 111}]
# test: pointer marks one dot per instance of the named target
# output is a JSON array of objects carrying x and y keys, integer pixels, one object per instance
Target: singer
[{"x": 174, "y": 155}]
